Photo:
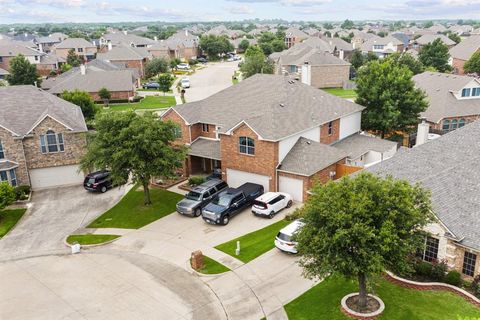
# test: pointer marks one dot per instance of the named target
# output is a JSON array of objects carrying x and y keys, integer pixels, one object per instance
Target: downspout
[{"x": 25, "y": 159}]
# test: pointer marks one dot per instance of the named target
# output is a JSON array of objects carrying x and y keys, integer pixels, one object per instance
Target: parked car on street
[
  {"x": 230, "y": 202},
  {"x": 183, "y": 66},
  {"x": 185, "y": 83},
  {"x": 283, "y": 240},
  {"x": 270, "y": 203},
  {"x": 151, "y": 85},
  {"x": 200, "y": 196},
  {"x": 202, "y": 60},
  {"x": 99, "y": 181}
]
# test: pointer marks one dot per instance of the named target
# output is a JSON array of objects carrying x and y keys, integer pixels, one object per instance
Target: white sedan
[
  {"x": 185, "y": 83},
  {"x": 270, "y": 203}
]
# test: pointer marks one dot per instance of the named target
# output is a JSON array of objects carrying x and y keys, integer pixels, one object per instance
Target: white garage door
[
  {"x": 236, "y": 178},
  {"x": 55, "y": 177},
  {"x": 293, "y": 187}
]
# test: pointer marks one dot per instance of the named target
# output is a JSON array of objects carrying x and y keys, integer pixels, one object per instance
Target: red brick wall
[
  {"x": 468, "y": 119},
  {"x": 458, "y": 66},
  {"x": 5, "y": 64},
  {"x": 137, "y": 64},
  {"x": 173, "y": 116},
  {"x": 198, "y": 132},
  {"x": 45, "y": 69},
  {"x": 116, "y": 95},
  {"x": 325, "y": 137},
  {"x": 264, "y": 161}
]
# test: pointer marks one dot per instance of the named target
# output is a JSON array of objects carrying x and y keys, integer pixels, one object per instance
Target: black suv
[{"x": 98, "y": 181}]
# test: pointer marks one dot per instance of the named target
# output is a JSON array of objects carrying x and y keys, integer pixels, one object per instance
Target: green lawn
[
  {"x": 149, "y": 102},
  {"x": 212, "y": 267},
  {"x": 323, "y": 302},
  {"x": 85, "y": 239},
  {"x": 131, "y": 213},
  {"x": 343, "y": 93},
  {"x": 8, "y": 219},
  {"x": 253, "y": 244}
]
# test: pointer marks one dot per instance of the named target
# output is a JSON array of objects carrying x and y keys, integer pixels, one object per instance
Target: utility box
[{"x": 196, "y": 260}]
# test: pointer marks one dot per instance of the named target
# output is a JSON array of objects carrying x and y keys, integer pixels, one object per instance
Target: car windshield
[
  {"x": 192, "y": 195},
  {"x": 284, "y": 237},
  {"x": 185, "y": 80},
  {"x": 221, "y": 201},
  {"x": 91, "y": 180}
]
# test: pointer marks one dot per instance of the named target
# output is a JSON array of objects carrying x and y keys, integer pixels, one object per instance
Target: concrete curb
[
  {"x": 89, "y": 245},
  {"x": 193, "y": 271},
  {"x": 358, "y": 315}
]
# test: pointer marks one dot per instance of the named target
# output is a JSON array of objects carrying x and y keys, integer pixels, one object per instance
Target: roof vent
[
  {"x": 308, "y": 142},
  {"x": 282, "y": 105}
]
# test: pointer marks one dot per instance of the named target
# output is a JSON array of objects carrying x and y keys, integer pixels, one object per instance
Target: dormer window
[
  {"x": 466, "y": 92},
  {"x": 476, "y": 92}
]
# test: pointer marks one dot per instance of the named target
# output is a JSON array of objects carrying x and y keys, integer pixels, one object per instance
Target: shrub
[
  {"x": 439, "y": 270},
  {"x": 424, "y": 269},
  {"x": 195, "y": 180},
  {"x": 475, "y": 286},
  {"x": 294, "y": 215},
  {"x": 192, "y": 62},
  {"x": 453, "y": 278},
  {"x": 22, "y": 192}
]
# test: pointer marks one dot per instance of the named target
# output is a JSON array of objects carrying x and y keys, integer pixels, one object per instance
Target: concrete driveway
[{"x": 215, "y": 77}]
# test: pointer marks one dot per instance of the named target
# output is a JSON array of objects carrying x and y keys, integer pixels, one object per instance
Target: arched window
[
  {"x": 454, "y": 124},
  {"x": 246, "y": 145},
  {"x": 446, "y": 125},
  {"x": 461, "y": 123},
  {"x": 52, "y": 142}
]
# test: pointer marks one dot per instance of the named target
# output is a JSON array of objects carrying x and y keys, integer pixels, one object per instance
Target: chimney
[
  {"x": 422, "y": 133},
  {"x": 125, "y": 32},
  {"x": 109, "y": 45},
  {"x": 83, "y": 69},
  {"x": 306, "y": 73},
  {"x": 155, "y": 38},
  {"x": 186, "y": 33}
]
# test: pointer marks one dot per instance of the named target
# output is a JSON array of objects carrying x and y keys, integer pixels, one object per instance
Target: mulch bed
[{"x": 372, "y": 305}]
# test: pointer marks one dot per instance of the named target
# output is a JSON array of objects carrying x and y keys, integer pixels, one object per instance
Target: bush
[
  {"x": 294, "y": 215},
  {"x": 192, "y": 62},
  {"x": 424, "y": 269},
  {"x": 195, "y": 180},
  {"x": 439, "y": 270},
  {"x": 22, "y": 192},
  {"x": 475, "y": 286},
  {"x": 453, "y": 278}
]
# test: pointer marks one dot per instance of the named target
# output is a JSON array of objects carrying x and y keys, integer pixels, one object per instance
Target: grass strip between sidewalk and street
[
  {"x": 253, "y": 244},
  {"x": 211, "y": 266},
  {"x": 9, "y": 218},
  {"x": 86, "y": 239}
]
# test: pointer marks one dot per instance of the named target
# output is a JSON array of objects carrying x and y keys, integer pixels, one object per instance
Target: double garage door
[
  {"x": 236, "y": 178},
  {"x": 55, "y": 177}
]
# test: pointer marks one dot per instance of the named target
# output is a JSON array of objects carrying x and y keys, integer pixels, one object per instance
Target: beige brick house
[
  {"x": 42, "y": 138},
  {"x": 82, "y": 48},
  {"x": 274, "y": 131},
  {"x": 462, "y": 52}
]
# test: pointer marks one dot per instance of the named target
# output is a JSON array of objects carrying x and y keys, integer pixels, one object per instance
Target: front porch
[{"x": 204, "y": 157}]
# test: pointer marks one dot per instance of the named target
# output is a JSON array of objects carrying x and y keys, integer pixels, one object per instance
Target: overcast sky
[{"x": 35, "y": 11}]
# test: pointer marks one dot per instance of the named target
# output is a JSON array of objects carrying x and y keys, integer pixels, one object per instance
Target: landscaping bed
[
  {"x": 9, "y": 218},
  {"x": 91, "y": 239}
]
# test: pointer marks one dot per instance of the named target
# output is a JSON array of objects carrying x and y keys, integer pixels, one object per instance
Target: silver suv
[{"x": 200, "y": 196}]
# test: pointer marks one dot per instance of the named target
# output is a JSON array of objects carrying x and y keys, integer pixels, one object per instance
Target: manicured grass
[
  {"x": 8, "y": 219},
  {"x": 323, "y": 302},
  {"x": 91, "y": 238},
  {"x": 212, "y": 267},
  {"x": 131, "y": 213},
  {"x": 149, "y": 102},
  {"x": 253, "y": 244},
  {"x": 343, "y": 93}
]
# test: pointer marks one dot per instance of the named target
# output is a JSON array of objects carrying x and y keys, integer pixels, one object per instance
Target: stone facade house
[
  {"x": 274, "y": 131},
  {"x": 42, "y": 138},
  {"x": 462, "y": 52},
  {"x": 448, "y": 167},
  {"x": 82, "y": 48}
]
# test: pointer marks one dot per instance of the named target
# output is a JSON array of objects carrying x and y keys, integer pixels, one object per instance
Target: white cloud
[{"x": 240, "y": 9}]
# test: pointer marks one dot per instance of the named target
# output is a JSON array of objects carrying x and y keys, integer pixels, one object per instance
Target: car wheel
[
  {"x": 198, "y": 212},
  {"x": 271, "y": 215},
  {"x": 225, "y": 220},
  {"x": 290, "y": 203},
  {"x": 104, "y": 189}
]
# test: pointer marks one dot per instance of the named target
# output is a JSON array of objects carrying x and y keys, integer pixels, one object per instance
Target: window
[
  {"x": 330, "y": 128},
  {"x": 466, "y": 92},
  {"x": 13, "y": 178},
  {"x": 80, "y": 49},
  {"x": 446, "y": 125},
  {"x": 3, "y": 176},
  {"x": 246, "y": 145},
  {"x": 461, "y": 123},
  {"x": 378, "y": 47},
  {"x": 52, "y": 142},
  {"x": 205, "y": 127},
  {"x": 454, "y": 124},
  {"x": 1, "y": 59},
  {"x": 469, "y": 261},
  {"x": 476, "y": 92},
  {"x": 293, "y": 69},
  {"x": 177, "y": 132},
  {"x": 431, "y": 249},
  {"x": 2, "y": 153}
]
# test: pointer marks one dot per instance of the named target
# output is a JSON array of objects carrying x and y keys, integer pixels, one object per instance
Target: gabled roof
[
  {"x": 340, "y": 44},
  {"x": 274, "y": 106},
  {"x": 368, "y": 45},
  {"x": 123, "y": 52},
  {"x": 314, "y": 57},
  {"x": 466, "y": 48},
  {"x": 127, "y": 39},
  {"x": 13, "y": 48},
  {"x": 448, "y": 167},
  {"x": 297, "y": 33},
  {"x": 71, "y": 43},
  {"x": 428, "y": 38},
  {"x": 358, "y": 144},
  {"x": 23, "y": 107},
  {"x": 442, "y": 102}
]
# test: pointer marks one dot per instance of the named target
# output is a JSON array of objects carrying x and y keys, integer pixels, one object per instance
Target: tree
[
  {"x": 73, "y": 59},
  {"x": 328, "y": 26},
  {"x": 391, "y": 100},
  {"x": 213, "y": 45},
  {"x": 7, "y": 195},
  {"x": 454, "y": 37},
  {"x": 156, "y": 66},
  {"x": 347, "y": 24},
  {"x": 409, "y": 61},
  {"x": 174, "y": 62},
  {"x": 256, "y": 62},
  {"x": 435, "y": 54},
  {"x": 267, "y": 48},
  {"x": 105, "y": 95},
  {"x": 165, "y": 81},
  {"x": 371, "y": 57},
  {"x": 359, "y": 227},
  {"x": 428, "y": 24},
  {"x": 357, "y": 59},
  {"x": 278, "y": 45},
  {"x": 65, "y": 67},
  {"x": 83, "y": 100},
  {"x": 473, "y": 64},
  {"x": 136, "y": 146},
  {"x": 243, "y": 45},
  {"x": 22, "y": 72}
]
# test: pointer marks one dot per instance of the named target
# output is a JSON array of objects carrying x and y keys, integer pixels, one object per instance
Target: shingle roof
[
  {"x": 297, "y": 33},
  {"x": 274, "y": 106},
  {"x": 71, "y": 43},
  {"x": 127, "y": 39},
  {"x": 358, "y": 144},
  {"x": 13, "y": 48},
  {"x": 442, "y": 102},
  {"x": 448, "y": 167},
  {"x": 22, "y": 106},
  {"x": 428, "y": 38},
  {"x": 121, "y": 53},
  {"x": 466, "y": 48},
  {"x": 368, "y": 45},
  {"x": 307, "y": 157},
  {"x": 47, "y": 40},
  {"x": 314, "y": 57},
  {"x": 206, "y": 148},
  {"x": 340, "y": 44}
]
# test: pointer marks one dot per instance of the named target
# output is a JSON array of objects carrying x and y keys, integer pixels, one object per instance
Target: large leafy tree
[
  {"x": 73, "y": 59},
  {"x": 256, "y": 62},
  {"x": 7, "y": 195},
  {"x": 243, "y": 45},
  {"x": 136, "y": 146},
  {"x": 409, "y": 61},
  {"x": 435, "y": 54},
  {"x": 22, "y": 72},
  {"x": 213, "y": 46},
  {"x": 358, "y": 227},
  {"x": 391, "y": 100},
  {"x": 156, "y": 66},
  {"x": 473, "y": 64},
  {"x": 83, "y": 100}
]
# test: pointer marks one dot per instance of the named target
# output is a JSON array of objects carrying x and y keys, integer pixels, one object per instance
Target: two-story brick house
[
  {"x": 271, "y": 130},
  {"x": 80, "y": 46},
  {"x": 42, "y": 138}
]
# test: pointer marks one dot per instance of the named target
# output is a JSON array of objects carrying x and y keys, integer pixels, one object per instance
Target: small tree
[
  {"x": 73, "y": 59},
  {"x": 136, "y": 146},
  {"x": 357, "y": 59},
  {"x": 83, "y": 100},
  {"x": 359, "y": 227},
  {"x": 156, "y": 66},
  {"x": 105, "y": 95},
  {"x": 165, "y": 81},
  {"x": 65, "y": 67},
  {"x": 174, "y": 63},
  {"x": 473, "y": 64},
  {"x": 435, "y": 54},
  {"x": 391, "y": 100},
  {"x": 243, "y": 45},
  {"x": 22, "y": 72},
  {"x": 409, "y": 61},
  {"x": 256, "y": 62},
  {"x": 7, "y": 195}
]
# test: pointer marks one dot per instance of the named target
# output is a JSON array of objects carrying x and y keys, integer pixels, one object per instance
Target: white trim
[
  {"x": 230, "y": 131},
  {"x": 172, "y": 108},
  {"x": 15, "y": 134},
  {"x": 205, "y": 138},
  {"x": 41, "y": 119}
]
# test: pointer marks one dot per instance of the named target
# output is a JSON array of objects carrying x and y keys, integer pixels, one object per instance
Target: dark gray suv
[{"x": 200, "y": 196}]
